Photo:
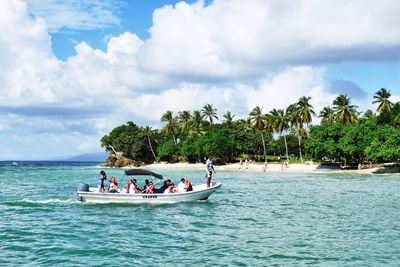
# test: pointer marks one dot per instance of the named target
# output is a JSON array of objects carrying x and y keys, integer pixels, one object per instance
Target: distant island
[
  {"x": 95, "y": 157},
  {"x": 345, "y": 137}
]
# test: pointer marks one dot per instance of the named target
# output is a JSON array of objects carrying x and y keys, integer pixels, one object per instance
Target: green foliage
[
  {"x": 366, "y": 140},
  {"x": 168, "y": 151},
  {"x": 323, "y": 140},
  {"x": 129, "y": 139},
  {"x": 355, "y": 139},
  {"x": 341, "y": 136},
  {"x": 385, "y": 146}
]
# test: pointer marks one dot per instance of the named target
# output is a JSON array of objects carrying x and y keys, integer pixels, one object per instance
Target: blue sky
[
  {"x": 135, "y": 16},
  {"x": 72, "y": 70}
]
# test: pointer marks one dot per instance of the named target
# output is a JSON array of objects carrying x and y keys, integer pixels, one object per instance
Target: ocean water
[{"x": 256, "y": 219}]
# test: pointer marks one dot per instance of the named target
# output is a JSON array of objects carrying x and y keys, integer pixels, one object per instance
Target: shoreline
[{"x": 274, "y": 168}]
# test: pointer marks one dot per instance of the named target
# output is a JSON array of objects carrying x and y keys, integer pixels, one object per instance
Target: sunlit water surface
[{"x": 256, "y": 219}]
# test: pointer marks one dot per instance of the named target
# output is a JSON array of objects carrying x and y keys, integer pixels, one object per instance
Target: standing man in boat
[
  {"x": 209, "y": 169},
  {"x": 103, "y": 177}
]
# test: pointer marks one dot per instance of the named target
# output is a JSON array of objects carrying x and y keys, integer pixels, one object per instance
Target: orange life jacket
[{"x": 150, "y": 189}]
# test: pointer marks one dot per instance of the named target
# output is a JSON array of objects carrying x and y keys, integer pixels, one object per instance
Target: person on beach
[
  {"x": 209, "y": 169},
  {"x": 240, "y": 164},
  {"x": 103, "y": 177},
  {"x": 265, "y": 166}
]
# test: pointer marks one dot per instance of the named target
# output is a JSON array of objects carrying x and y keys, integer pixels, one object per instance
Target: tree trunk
[
  {"x": 263, "y": 142},
  {"x": 174, "y": 139},
  {"x": 151, "y": 148},
  {"x": 287, "y": 154},
  {"x": 299, "y": 138}
]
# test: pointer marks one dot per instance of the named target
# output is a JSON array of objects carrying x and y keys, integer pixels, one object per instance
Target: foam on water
[{"x": 51, "y": 201}]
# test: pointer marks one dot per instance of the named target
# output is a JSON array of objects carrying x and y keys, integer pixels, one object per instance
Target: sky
[{"x": 71, "y": 71}]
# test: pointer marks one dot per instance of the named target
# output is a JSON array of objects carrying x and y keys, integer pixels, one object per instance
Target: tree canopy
[{"x": 342, "y": 136}]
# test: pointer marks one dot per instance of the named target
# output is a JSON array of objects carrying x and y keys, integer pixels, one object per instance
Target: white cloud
[
  {"x": 75, "y": 14},
  {"x": 276, "y": 91},
  {"x": 28, "y": 65},
  {"x": 235, "y": 38},
  {"x": 233, "y": 54}
]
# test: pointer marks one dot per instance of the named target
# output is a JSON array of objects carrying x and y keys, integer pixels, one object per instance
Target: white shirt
[
  {"x": 182, "y": 187},
  {"x": 132, "y": 189}
]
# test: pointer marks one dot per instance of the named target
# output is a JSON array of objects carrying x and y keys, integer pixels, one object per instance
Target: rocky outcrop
[{"x": 121, "y": 161}]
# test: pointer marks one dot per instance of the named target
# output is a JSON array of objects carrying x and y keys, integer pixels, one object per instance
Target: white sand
[{"x": 296, "y": 168}]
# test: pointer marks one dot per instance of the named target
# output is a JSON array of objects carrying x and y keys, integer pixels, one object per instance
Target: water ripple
[{"x": 256, "y": 219}]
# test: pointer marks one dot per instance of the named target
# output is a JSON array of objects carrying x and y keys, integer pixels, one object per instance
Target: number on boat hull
[{"x": 149, "y": 196}]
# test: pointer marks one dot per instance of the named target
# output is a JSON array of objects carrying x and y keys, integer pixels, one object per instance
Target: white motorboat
[{"x": 92, "y": 194}]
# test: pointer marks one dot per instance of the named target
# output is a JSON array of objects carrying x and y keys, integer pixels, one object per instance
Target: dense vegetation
[{"x": 344, "y": 135}]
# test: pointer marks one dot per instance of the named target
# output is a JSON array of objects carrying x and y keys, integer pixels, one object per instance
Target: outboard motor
[{"x": 82, "y": 187}]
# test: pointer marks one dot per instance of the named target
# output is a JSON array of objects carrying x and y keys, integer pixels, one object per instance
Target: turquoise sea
[{"x": 256, "y": 219}]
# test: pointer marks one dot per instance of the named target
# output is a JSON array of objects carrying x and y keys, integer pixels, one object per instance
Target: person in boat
[
  {"x": 113, "y": 188},
  {"x": 189, "y": 186},
  {"x": 164, "y": 187},
  {"x": 132, "y": 187},
  {"x": 103, "y": 177},
  {"x": 171, "y": 189},
  {"x": 136, "y": 188},
  {"x": 149, "y": 187},
  {"x": 182, "y": 186},
  {"x": 209, "y": 169},
  {"x": 128, "y": 186}
]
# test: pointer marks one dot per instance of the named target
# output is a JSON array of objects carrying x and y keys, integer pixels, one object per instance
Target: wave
[
  {"x": 51, "y": 201},
  {"x": 33, "y": 202}
]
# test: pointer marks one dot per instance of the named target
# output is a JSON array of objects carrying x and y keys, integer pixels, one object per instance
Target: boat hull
[{"x": 200, "y": 193}]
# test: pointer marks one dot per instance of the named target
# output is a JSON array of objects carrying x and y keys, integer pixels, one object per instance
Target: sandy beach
[{"x": 252, "y": 167}]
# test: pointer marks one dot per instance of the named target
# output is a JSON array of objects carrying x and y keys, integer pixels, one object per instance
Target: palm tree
[
  {"x": 228, "y": 117},
  {"x": 257, "y": 121},
  {"x": 170, "y": 126},
  {"x": 184, "y": 119},
  {"x": 327, "y": 114},
  {"x": 281, "y": 124},
  {"x": 305, "y": 109},
  {"x": 294, "y": 117},
  {"x": 149, "y": 133},
  {"x": 209, "y": 113},
  {"x": 197, "y": 122},
  {"x": 382, "y": 97},
  {"x": 344, "y": 112}
]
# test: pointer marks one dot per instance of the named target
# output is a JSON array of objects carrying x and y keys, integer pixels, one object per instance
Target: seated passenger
[
  {"x": 170, "y": 189},
  {"x": 136, "y": 188},
  {"x": 164, "y": 186},
  {"x": 149, "y": 187},
  {"x": 182, "y": 186},
  {"x": 189, "y": 186},
  {"x": 113, "y": 188},
  {"x": 129, "y": 186}
]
